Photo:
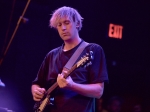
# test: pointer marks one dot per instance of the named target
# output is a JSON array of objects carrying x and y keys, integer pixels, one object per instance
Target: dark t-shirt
[{"x": 67, "y": 100}]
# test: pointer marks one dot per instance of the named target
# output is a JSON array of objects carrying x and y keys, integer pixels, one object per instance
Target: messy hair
[{"x": 71, "y": 13}]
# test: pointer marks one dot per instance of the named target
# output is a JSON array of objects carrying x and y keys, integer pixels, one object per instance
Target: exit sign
[{"x": 115, "y": 31}]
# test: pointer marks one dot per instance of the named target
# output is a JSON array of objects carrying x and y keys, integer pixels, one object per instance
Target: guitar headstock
[{"x": 86, "y": 59}]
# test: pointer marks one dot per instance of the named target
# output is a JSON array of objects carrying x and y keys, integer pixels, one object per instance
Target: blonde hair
[{"x": 71, "y": 13}]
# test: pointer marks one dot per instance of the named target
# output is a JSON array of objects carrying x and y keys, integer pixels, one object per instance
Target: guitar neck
[{"x": 52, "y": 88}]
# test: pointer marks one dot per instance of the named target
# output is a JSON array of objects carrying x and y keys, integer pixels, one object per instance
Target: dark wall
[{"x": 127, "y": 59}]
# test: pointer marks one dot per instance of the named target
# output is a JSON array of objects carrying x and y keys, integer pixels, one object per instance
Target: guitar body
[{"x": 40, "y": 106}]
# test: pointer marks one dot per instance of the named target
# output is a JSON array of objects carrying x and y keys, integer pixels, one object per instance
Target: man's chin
[{"x": 65, "y": 38}]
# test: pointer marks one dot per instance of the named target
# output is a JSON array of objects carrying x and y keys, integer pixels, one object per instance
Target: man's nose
[{"x": 63, "y": 27}]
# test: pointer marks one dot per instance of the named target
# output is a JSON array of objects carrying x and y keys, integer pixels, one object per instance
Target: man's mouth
[{"x": 64, "y": 34}]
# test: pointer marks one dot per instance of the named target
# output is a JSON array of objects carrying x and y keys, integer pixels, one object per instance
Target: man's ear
[{"x": 78, "y": 24}]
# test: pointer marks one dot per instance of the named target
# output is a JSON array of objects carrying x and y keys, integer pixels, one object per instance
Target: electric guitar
[{"x": 84, "y": 61}]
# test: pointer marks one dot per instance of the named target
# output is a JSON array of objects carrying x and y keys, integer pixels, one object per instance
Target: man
[{"x": 77, "y": 92}]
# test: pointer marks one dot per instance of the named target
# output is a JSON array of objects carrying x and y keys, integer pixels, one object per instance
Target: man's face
[{"x": 66, "y": 29}]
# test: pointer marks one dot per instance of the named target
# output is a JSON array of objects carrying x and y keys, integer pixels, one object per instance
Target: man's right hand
[{"x": 37, "y": 92}]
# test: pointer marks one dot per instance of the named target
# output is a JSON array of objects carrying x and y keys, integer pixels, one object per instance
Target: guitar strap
[{"x": 75, "y": 56}]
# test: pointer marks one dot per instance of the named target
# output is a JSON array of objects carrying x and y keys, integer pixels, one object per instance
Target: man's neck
[{"x": 72, "y": 43}]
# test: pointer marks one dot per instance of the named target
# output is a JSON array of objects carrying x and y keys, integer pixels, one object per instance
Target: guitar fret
[{"x": 52, "y": 88}]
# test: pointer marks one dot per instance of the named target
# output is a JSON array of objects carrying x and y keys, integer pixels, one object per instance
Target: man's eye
[
  {"x": 66, "y": 23},
  {"x": 59, "y": 25}
]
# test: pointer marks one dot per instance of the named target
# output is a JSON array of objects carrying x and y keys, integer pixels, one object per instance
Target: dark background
[{"x": 127, "y": 58}]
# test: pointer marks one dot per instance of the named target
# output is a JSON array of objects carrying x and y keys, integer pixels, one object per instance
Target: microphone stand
[
  {"x": 10, "y": 41},
  {"x": 12, "y": 37}
]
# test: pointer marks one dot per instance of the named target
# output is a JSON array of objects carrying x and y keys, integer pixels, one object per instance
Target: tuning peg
[
  {"x": 91, "y": 52},
  {"x": 84, "y": 66},
  {"x": 87, "y": 54},
  {"x": 91, "y": 55},
  {"x": 88, "y": 64}
]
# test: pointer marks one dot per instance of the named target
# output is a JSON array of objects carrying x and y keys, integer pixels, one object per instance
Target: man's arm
[{"x": 90, "y": 90}]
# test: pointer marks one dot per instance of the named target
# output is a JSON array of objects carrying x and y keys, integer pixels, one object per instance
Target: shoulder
[
  {"x": 96, "y": 49},
  {"x": 94, "y": 46},
  {"x": 53, "y": 52}
]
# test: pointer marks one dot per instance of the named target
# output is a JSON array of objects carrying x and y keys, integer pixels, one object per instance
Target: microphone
[
  {"x": 24, "y": 20},
  {"x": 2, "y": 84}
]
